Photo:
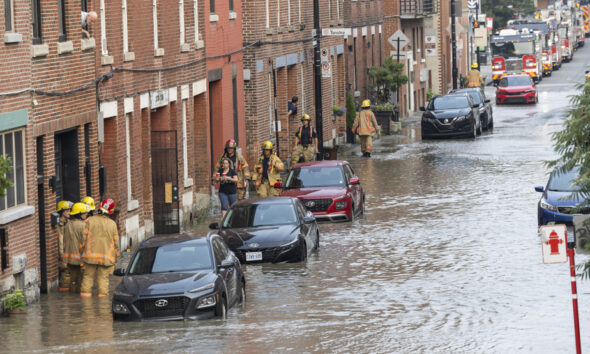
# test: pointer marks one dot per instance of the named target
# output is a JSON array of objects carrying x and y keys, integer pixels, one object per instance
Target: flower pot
[
  {"x": 16, "y": 311},
  {"x": 383, "y": 119}
]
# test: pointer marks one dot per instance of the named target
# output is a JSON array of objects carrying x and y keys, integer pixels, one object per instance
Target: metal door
[{"x": 165, "y": 181}]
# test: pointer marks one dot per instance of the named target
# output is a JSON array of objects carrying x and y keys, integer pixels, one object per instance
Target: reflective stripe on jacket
[
  {"x": 275, "y": 166},
  {"x": 101, "y": 241},
  {"x": 365, "y": 123},
  {"x": 73, "y": 236}
]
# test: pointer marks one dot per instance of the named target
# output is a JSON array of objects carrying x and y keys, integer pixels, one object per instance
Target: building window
[
  {"x": 103, "y": 29},
  {"x": 128, "y": 157},
  {"x": 289, "y": 12},
  {"x": 12, "y": 146},
  {"x": 181, "y": 20},
  {"x": 278, "y": 13},
  {"x": 36, "y": 21},
  {"x": 212, "y": 5},
  {"x": 155, "y": 20},
  {"x": 124, "y": 15},
  {"x": 231, "y": 5},
  {"x": 61, "y": 12},
  {"x": 8, "y": 16},
  {"x": 196, "y": 15}
]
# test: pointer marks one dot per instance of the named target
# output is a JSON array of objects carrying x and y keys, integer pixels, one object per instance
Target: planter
[
  {"x": 17, "y": 312},
  {"x": 383, "y": 119}
]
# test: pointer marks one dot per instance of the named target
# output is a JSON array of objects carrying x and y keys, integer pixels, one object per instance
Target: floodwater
[{"x": 446, "y": 260}]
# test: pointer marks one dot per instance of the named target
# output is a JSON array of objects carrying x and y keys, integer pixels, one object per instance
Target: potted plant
[
  {"x": 350, "y": 116},
  {"x": 15, "y": 302},
  {"x": 386, "y": 78}
]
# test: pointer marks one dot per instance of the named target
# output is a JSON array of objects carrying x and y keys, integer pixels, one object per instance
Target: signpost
[
  {"x": 398, "y": 40},
  {"x": 557, "y": 246}
]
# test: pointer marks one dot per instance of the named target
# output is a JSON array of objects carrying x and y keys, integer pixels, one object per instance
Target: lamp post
[{"x": 317, "y": 73}]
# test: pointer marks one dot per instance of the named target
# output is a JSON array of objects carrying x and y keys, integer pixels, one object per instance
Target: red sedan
[
  {"x": 516, "y": 88},
  {"x": 330, "y": 189}
]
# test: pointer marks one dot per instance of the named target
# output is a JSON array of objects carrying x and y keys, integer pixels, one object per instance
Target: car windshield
[
  {"x": 450, "y": 102},
  {"x": 308, "y": 177},
  {"x": 474, "y": 95},
  {"x": 515, "y": 81},
  {"x": 171, "y": 258},
  {"x": 512, "y": 49},
  {"x": 563, "y": 182},
  {"x": 260, "y": 215}
]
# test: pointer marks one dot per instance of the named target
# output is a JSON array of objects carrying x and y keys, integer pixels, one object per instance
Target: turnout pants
[
  {"x": 101, "y": 273},
  {"x": 64, "y": 279},
  {"x": 366, "y": 143},
  {"x": 266, "y": 190},
  {"x": 307, "y": 151},
  {"x": 75, "y": 277},
  {"x": 241, "y": 193}
]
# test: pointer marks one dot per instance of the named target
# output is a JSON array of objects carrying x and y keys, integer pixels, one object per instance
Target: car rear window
[
  {"x": 450, "y": 102},
  {"x": 171, "y": 258},
  {"x": 308, "y": 177},
  {"x": 563, "y": 182},
  {"x": 515, "y": 81}
]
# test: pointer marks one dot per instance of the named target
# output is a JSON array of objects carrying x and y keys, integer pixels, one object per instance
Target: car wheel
[
  {"x": 221, "y": 310},
  {"x": 352, "y": 213},
  {"x": 317, "y": 241},
  {"x": 479, "y": 129},
  {"x": 302, "y": 256},
  {"x": 363, "y": 206},
  {"x": 536, "y": 99},
  {"x": 473, "y": 134},
  {"x": 242, "y": 298}
]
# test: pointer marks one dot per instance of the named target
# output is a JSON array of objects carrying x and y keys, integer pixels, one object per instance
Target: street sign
[
  {"x": 398, "y": 39},
  {"x": 326, "y": 69},
  {"x": 472, "y": 4},
  {"x": 490, "y": 23},
  {"x": 553, "y": 242},
  {"x": 325, "y": 55},
  {"x": 336, "y": 32}
]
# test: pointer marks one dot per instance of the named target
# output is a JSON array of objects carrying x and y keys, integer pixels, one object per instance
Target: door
[
  {"x": 41, "y": 214},
  {"x": 165, "y": 182},
  {"x": 67, "y": 172}
]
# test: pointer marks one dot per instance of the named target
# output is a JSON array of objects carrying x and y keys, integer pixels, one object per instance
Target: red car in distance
[
  {"x": 330, "y": 189},
  {"x": 516, "y": 88}
]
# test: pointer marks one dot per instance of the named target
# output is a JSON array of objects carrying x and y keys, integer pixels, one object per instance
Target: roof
[
  {"x": 270, "y": 200},
  {"x": 326, "y": 163},
  {"x": 161, "y": 240}
]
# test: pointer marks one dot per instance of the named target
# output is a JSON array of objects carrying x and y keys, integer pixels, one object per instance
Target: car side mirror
[
  {"x": 487, "y": 100},
  {"x": 423, "y": 109},
  {"x": 539, "y": 189},
  {"x": 214, "y": 226},
  {"x": 119, "y": 272},
  {"x": 227, "y": 263},
  {"x": 354, "y": 180},
  {"x": 308, "y": 219}
]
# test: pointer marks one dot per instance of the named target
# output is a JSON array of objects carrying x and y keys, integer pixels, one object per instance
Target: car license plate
[{"x": 253, "y": 256}]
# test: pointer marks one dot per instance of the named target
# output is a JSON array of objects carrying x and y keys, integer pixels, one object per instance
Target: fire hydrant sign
[{"x": 554, "y": 244}]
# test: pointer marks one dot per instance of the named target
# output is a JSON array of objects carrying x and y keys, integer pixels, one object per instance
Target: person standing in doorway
[
  {"x": 365, "y": 125},
  {"x": 306, "y": 142},
  {"x": 63, "y": 209},
  {"x": 73, "y": 235},
  {"x": 228, "y": 180}
]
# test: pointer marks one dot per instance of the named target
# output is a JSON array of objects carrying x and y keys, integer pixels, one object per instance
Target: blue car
[{"x": 557, "y": 201}]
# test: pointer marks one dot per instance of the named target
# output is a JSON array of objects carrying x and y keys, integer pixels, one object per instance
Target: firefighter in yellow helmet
[
  {"x": 100, "y": 250},
  {"x": 90, "y": 202},
  {"x": 267, "y": 177},
  {"x": 238, "y": 164},
  {"x": 73, "y": 234},
  {"x": 63, "y": 209},
  {"x": 474, "y": 78},
  {"x": 306, "y": 141},
  {"x": 365, "y": 125}
]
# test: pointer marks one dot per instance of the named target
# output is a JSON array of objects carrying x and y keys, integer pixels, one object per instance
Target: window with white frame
[
  {"x": 128, "y": 156},
  {"x": 155, "y": 21},
  {"x": 278, "y": 13},
  {"x": 299, "y": 10},
  {"x": 270, "y": 104},
  {"x": 196, "y": 16},
  {"x": 267, "y": 8},
  {"x": 288, "y": 12},
  {"x": 103, "y": 29},
  {"x": 12, "y": 146},
  {"x": 338, "y": 10},
  {"x": 8, "y": 15},
  {"x": 184, "y": 141},
  {"x": 330, "y": 9},
  {"x": 125, "y": 28},
  {"x": 181, "y": 21}
]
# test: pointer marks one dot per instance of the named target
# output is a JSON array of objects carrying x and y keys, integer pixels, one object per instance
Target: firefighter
[
  {"x": 239, "y": 165},
  {"x": 63, "y": 209},
  {"x": 100, "y": 250},
  {"x": 267, "y": 176},
  {"x": 365, "y": 125},
  {"x": 73, "y": 233},
  {"x": 90, "y": 202},
  {"x": 474, "y": 78},
  {"x": 306, "y": 141}
]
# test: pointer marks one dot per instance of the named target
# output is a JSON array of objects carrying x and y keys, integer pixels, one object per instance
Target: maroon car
[{"x": 329, "y": 189}]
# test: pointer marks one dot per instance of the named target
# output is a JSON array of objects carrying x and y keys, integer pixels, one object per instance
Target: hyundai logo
[
  {"x": 310, "y": 204},
  {"x": 253, "y": 245},
  {"x": 161, "y": 303}
]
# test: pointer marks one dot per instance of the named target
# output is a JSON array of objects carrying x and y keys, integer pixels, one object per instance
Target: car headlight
[
  {"x": 122, "y": 293},
  {"x": 460, "y": 118},
  {"x": 199, "y": 289},
  {"x": 547, "y": 206},
  {"x": 120, "y": 308},
  {"x": 206, "y": 301},
  {"x": 341, "y": 204}
]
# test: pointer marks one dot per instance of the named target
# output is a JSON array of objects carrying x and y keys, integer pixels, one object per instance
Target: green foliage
[
  {"x": 504, "y": 10},
  {"x": 15, "y": 300},
  {"x": 350, "y": 111},
  {"x": 388, "y": 76},
  {"x": 385, "y": 106},
  {"x": 429, "y": 94},
  {"x": 338, "y": 111},
  {"x": 5, "y": 169}
]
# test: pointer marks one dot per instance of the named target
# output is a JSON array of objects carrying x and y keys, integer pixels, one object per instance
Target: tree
[
  {"x": 350, "y": 111},
  {"x": 504, "y": 10},
  {"x": 5, "y": 169},
  {"x": 572, "y": 144},
  {"x": 390, "y": 76}
]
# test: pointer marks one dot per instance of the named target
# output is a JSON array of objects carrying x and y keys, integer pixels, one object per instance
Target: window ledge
[
  {"x": 107, "y": 60},
  {"x": 11, "y": 37},
  {"x": 332, "y": 23},
  {"x": 65, "y": 47},
  {"x": 213, "y": 18},
  {"x": 188, "y": 182},
  {"x": 128, "y": 56},
  {"x": 13, "y": 214},
  {"x": 132, "y": 205},
  {"x": 200, "y": 44},
  {"x": 423, "y": 60},
  {"x": 269, "y": 31},
  {"x": 185, "y": 47},
  {"x": 88, "y": 43},
  {"x": 292, "y": 28},
  {"x": 340, "y": 21},
  {"x": 39, "y": 50},
  {"x": 159, "y": 52},
  {"x": 233, "y": 15},
  {"x": 280, "y": 29}
]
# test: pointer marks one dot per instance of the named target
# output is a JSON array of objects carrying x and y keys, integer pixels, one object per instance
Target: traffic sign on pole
[
  {"x": 324, "y": 55},
  {"x": 398, "y": 40},
  {"x": 554, "y": 243}
]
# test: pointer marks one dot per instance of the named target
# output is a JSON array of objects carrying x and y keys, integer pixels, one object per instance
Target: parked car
[
  {"x": 557, "y": 202},
  {"x": 329, "y": 188},
  {"x": 451, "y": 115},
  {"x": 179, "y": 277},
  {"x": 275, "y": 229},
  {"x": 486, "y": 113},
  {"x": 518, "y": 88}
]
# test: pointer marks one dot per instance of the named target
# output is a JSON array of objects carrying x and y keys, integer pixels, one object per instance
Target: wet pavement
[{"x": 446, "y": 259}]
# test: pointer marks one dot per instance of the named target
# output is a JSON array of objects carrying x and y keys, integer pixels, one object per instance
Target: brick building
[
  {"x": 364, "y": 46},
  {"x": 284, "y": 59}
]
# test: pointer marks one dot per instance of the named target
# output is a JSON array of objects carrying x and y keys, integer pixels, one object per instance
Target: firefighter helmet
[
  {"x": 231, "y": 143},
  {"x": 267, "y": 145},
  {"x": 64, "y": 205},
  {"x": 474, "y": 66},
  {"x": 366, "y": 104},
  {"x": 107, "y": 206},
  {"x": 305, "y": 117},
  {"x": 80, "y": 208},
  {"x": 90, "y": 202}
]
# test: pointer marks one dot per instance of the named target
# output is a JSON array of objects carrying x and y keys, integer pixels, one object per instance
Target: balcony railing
[{"x": 417, "y": 8}]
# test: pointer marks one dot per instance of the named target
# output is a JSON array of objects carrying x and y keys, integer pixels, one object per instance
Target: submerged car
[
  {"x": 275, "y": 229},
  {"x": 179, "y": 277},
  {"x": 516, "y": 89},
  {"x": 330, "y": 189},
  {"x": 558, "y": 202},
  {"x": 486, "y": 113},
  {"x": 451, "y": 115}
]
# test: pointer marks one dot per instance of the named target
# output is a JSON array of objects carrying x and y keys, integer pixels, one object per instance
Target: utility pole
[
  {"x": 453, "y": 45},
  {"x": 476, "y": 48},
  {"x": 317, "y": 73}
]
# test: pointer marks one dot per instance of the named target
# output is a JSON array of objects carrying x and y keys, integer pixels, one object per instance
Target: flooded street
[{"x": 447, "y": 259}]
